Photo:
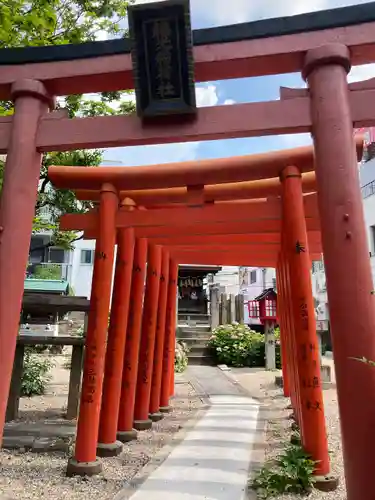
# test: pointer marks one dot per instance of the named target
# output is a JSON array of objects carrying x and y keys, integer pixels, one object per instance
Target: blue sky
[{"x": 210, "y": 13}]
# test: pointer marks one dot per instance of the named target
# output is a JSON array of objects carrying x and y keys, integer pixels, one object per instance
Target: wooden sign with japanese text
[{"x": 162, "y": 56}]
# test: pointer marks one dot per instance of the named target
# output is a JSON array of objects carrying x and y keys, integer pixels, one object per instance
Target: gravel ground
[
  {"x": 259, "y": 383},
  {"x": 37, "y": 476}
]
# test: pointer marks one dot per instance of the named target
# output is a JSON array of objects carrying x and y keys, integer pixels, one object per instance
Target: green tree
[{"x": 56, "y": 22}]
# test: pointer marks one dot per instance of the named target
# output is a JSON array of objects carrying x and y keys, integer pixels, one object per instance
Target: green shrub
[
  {"x": 47, "y": 272},
  {"x": 80, "y": 332},
  {"x": 180, "y": 359},
  {"x": 291, "y": 472},
  {"x": 38, "y": 348},
  {"x": 35, "y": 375},
  {"x": 43, "y": 348},
  {"x": 238, "y": 345}
]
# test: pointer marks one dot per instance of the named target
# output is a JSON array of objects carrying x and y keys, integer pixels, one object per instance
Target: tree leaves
[{"x": 56, "y": 22}]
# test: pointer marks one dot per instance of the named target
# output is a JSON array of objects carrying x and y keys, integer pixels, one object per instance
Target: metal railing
[
  {"x": 48, "y": 271},
  {"x": 368, "y": 189}
]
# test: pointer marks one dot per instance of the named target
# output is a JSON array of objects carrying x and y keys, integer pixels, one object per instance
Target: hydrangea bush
[
  {"x": 237, "y": 345},
  {"x": 181, "y": 358}
]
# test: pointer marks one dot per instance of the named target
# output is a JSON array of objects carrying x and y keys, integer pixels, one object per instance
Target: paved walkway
[{"x": 213, "y": 460}]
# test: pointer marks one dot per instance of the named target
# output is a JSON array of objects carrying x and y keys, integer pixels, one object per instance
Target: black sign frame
[{"x": 162, "y": 56}]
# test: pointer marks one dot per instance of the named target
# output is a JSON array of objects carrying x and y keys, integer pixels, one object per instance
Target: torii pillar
[
  {"x": 346, "y": 261},
  {"x": 314, "y": 438},
  {"x": 108, "y": 446},
  {"x": 146, "y": 354},
  {"x": 289, "y": 337},
  {"x": 155, "y": 414},
  {"x": 84, "y": 462},
  {"x": 285, "y": 361},
  {"x": 17, "y": 209},
  {"x": 125, "y": 431},
  {"x": 169, "y": 341}
]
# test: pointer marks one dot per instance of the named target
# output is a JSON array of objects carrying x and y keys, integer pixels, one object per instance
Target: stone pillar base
[
  {"x": 165, "y": 409},
  {"x": 142, "y": 425},
  {"x": 155, "y": 417},
  {"x": 75, "y": 468},
  {"x": 126, "y": 436},
  {"x": 326, "y": 483},
  {"x": 109, "y": 449}
]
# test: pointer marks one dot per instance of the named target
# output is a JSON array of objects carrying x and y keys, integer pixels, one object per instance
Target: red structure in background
[
  {"x": 264, "y": 306},
  {"x": 253, "y": 308},
  {"x": 328, "y": 109}
]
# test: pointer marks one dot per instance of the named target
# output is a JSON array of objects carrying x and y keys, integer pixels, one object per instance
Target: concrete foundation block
[
  {"x": 142, "y": 425},
  {"x": 75, "y": 468},
  {"x": 109, "y": 449},
  {"x": 326, "y": 483},
  {"x": 126, "y": 436}
]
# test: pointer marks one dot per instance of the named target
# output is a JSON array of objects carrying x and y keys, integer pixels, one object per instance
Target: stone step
[
  {"x": 199, "y": 350},
  {"x": 195, "y": 359},
  {"x": 194, "y": 329},
  {"x": 197, "y": 318},
  {"x": 194, "y": 341},
  {"x": 40, "y": 429},
  {"x": 202, "y": 336}
]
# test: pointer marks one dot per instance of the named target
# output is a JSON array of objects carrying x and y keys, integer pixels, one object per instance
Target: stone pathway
[{"x": 213, "y": 460}]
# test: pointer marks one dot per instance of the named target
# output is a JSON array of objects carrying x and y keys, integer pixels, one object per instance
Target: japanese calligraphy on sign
[{"x": 162, "y": 58}]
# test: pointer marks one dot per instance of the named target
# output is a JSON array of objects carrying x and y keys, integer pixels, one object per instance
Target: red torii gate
[
  {"x": 225, "y": 248},
  {"x": 330, "y": 110}
]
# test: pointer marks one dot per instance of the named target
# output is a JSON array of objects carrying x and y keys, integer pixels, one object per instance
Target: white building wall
[
  {"x": 228, "y": 279},
  {"x": 82, "y": 273},
  {"x": 250, "y": 281},
  {"x": 367, "y": 178},
  {"x": 369, "y": 213}
]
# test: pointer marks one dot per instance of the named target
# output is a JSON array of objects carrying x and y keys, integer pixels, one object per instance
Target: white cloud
[
  {"x": 153, "y": 155},
  {"x": 218, "y": 13},
  {"x": 101, "y": 35},
  {"x": 215, "y": 14},
  {"x": 364, "y": 72},
  {"x": 228, "y": 102},
  {"x": 208, "y": 13},
  {"x": 206, "y": 95},
  {"x": 295, "y": 140}
]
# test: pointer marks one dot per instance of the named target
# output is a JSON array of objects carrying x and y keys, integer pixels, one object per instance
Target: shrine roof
[
  {"x": 198, "y": 269},
  {"x": 312, "y": 21},
  {"x": 266, "y": 293}
]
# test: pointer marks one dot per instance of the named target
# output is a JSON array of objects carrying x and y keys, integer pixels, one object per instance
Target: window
[
  {"x": 253, "y": 276},
  {"x": 274, "y": 283},
  {"x": 317, "y": 266},
  {"x": 56, "y": 255},
  {"x": 372, "y": 245},
  {"x": 87, "y": 256}
]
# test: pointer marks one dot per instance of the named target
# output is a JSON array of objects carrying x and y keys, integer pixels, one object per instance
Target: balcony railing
[
  {"x": 48, "y": 271},
  {"x": 368, "y": 189}
]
